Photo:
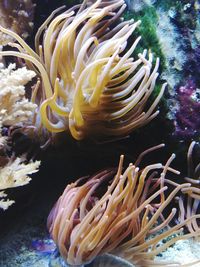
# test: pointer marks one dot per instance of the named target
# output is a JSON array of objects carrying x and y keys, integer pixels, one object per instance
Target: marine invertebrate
[
  {"x": 189, "y": 205},
  {"x": 15, "y": 108},
  {"x": 16, "y": 16},
  {"x": 119, "y": 213},
  {"x": 90, "y": 84},
  {"x": 14, "y": 174},
  {"x": 15, "y": 111}
]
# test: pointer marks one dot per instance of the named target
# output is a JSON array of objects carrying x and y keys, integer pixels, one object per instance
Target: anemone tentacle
[
  {"x": 91, "y": 86},
  {"x": 122, "y": 213}
]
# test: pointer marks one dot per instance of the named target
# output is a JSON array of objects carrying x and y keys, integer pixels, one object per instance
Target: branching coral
[
  {"x": 15, "y": 108},
  {"x": 15, "y": 111},
  {"x": 120, "y": 215},
  {"x": 15, "y": 173},
  {"x": 90, "y": 84}
]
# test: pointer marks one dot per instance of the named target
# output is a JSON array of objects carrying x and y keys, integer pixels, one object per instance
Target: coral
[
  {"x": 90, "y": 85},
  {"x": 15, "y": 173},
  {"x": 15, "y": 111},
  {"x": 17, "y": 16},
  {"x": 15, "y": 108},
  {"x": 187, "y": 121},
  {"x": 121, "y": 215}
]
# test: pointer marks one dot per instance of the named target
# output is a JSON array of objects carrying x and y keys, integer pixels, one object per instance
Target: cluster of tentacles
[
  {"x": 120, "y": 212},
  {"x": 189, "y": 203},
  {"x": 89, "y": 83}
]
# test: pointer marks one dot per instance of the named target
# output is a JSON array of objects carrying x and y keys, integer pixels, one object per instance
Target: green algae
[{"x": 147, "y": 30}]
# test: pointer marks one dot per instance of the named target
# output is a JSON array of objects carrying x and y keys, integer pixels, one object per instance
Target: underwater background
[{"x": 171, "y": 31}]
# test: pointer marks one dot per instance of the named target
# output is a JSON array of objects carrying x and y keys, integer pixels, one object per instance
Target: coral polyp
[
  {"x": 90, "y": 83},
  {"x": 119, "y": 212}
]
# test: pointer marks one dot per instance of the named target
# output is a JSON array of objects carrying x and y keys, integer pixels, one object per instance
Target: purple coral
[{"x": 187, "y": 122}]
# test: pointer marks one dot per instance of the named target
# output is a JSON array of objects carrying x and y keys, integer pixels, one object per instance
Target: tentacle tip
[
  {"x": 173, "y": 155},
  {"x": 164, "y": 85}
]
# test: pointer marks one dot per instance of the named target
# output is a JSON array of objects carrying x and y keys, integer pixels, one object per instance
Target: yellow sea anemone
[
  {"x": 90, "y": 84},
  {"x": 121, "y": 215}
]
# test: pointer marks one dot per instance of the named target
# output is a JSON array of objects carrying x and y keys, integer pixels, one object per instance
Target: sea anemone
[
  {"x": 189, "y": 204},
  {"x": 89, "y": 83},
  {"x": 125, "y": 215}
]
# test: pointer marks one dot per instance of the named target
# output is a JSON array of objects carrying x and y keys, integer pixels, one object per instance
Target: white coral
[
  {"x": 5, "y": 203},
  {"x": 14, "y": 174},
  {"x": 15, "y": 110},
  {"x": 14, "y": 107}
]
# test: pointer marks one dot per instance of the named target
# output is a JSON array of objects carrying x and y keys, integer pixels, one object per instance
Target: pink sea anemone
[
  {"x": 189, "y": 204},
  {"x": 119, "y": 212}
]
